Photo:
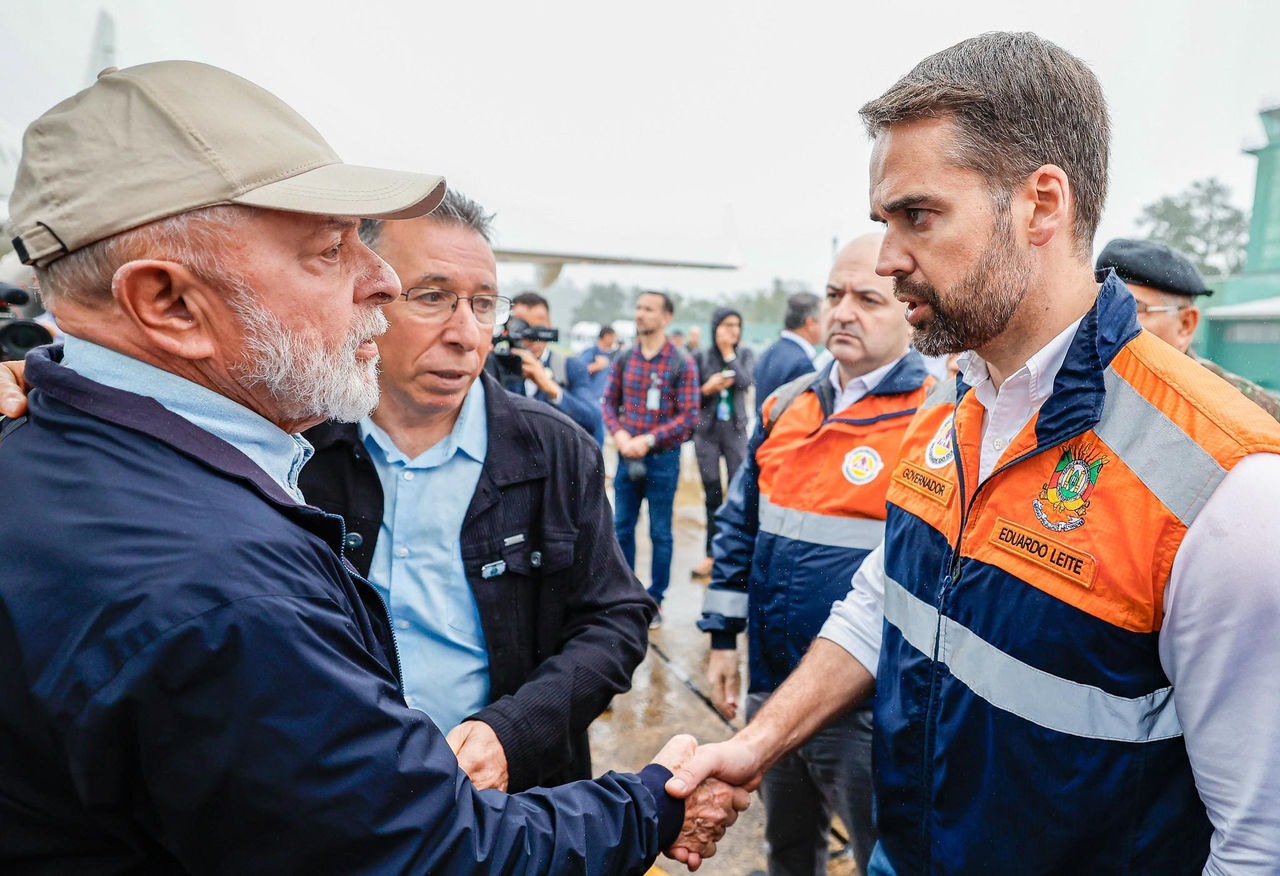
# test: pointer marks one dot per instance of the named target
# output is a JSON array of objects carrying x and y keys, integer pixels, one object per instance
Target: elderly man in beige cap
[{"x": 195, "y": 678}]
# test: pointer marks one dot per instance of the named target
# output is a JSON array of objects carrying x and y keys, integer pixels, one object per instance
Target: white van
[{"x": 583, "y": 335}]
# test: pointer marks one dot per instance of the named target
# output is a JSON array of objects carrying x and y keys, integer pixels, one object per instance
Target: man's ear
[
  {"x": 1047, "y": 198},
  {"x": 1188, "y": 320},
  {"x": 168, "y": 305}
]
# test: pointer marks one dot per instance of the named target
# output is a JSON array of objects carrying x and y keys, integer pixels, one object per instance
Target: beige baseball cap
[{"x": 156, "y": 140}]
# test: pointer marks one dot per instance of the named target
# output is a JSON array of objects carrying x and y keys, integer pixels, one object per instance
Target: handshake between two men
[{"x": 711, "y": 806}]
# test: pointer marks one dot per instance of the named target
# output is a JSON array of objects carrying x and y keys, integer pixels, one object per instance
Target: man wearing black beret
[{"x": 1166, "y": 286}]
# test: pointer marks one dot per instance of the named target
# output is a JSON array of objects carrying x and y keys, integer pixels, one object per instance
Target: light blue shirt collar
[
  {"x": 276, "y": 452},
  {"x": 470, "y": 434}
]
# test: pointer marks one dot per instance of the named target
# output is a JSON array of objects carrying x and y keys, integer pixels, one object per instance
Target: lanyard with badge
[{"x": 653, "y": 398}]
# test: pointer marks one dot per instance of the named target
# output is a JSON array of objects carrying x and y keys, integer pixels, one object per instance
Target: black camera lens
[{"x": 20, "y": 335}]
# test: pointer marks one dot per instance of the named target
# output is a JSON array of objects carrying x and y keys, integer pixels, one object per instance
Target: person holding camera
[
  {"x": 18, "y": 335},
  {"x": 725, "y": 375},
  {"x": 650, "y": 407},
  {"x": 527, "y": 365}
]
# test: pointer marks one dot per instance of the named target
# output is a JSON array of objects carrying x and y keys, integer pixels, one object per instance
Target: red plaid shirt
[{"x": 626, "y": 397}]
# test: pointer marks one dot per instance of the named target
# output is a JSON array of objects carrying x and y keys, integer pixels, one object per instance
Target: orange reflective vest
[{"x": 807, "y": 507}]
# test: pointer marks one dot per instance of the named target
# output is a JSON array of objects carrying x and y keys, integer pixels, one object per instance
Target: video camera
[
  {"x": 17, "y": 336},
  {"x": 516, "y": 333}
]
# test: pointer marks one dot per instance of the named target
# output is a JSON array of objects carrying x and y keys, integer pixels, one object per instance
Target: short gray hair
[
  {"x": 196, "y": 239},
  {"x": 1017, "y": 102},
  {"x": 455, "y": 209},
  {"x": 800, "y": 307}
]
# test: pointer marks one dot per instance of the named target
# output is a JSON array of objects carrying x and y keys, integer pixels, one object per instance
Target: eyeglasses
[
  {"x": 1162, "y": 308},
  {"x": 437, "y": 304}
]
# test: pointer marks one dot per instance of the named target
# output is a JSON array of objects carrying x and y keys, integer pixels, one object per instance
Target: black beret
[{"x": 1148, "y": 263}]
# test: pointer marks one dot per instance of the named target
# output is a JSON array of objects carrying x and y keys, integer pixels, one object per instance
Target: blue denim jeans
[{"x": 662, "y": 473}]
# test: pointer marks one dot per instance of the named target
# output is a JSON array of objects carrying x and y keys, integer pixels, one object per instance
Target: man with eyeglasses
[
  {"x": 1166, "y": 285},
  {"x": 480, "y": 516}
]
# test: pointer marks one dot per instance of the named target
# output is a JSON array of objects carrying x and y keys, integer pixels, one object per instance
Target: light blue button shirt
[
  {"x": 276, "y": 452},
  {"x": 417, "y": 565}
]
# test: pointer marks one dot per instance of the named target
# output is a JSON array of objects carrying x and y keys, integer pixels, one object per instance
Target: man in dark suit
[{"x": 792, "y": 353}]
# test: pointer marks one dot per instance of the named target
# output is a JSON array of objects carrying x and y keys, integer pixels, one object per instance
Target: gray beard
[{"x": 306, "y": 381}]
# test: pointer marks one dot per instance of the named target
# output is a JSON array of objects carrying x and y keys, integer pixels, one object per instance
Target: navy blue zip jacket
[{"x": 194, "y": 681}]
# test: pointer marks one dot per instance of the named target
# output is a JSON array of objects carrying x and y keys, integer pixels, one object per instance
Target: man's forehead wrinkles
[{"x": 439, "y": 278}]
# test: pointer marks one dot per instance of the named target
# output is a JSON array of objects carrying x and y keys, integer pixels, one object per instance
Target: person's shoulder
[
  {"x": 549, "y": 426},
  {"x": 575, "y": 368},
  {"x": 783, "y": 344},
  {"x": 1260, "y": 396},
  {"x": 332, "y": 432}
]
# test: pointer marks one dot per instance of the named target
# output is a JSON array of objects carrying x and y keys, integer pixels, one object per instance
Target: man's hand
[
  {"x": 479, "y": 754},
  {"x": 600, "y": 363},
  {"x": 717, "y": 382},
  {"x": 534, "y": 370},
  {"x": 725, "y": 681},
  {"x": 708, "y": 810},
  {"x": 13, "y": 389},
  {"x": 732, "y": 761},
  {"x": 632, "y": 446}
]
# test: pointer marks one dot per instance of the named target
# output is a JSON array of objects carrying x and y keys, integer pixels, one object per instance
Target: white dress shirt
[{"x": 859, "y": 386}]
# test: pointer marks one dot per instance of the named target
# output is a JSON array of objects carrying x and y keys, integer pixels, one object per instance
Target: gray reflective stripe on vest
[
  {"x": 857, "y": 533},
  {"x": 729, "y": 603},
  {"x": 1030, "y": 693},
  {"x": 1180, "y": 473}
]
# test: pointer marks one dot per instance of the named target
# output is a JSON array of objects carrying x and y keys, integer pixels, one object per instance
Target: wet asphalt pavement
[{"x": 668, "y": 689}]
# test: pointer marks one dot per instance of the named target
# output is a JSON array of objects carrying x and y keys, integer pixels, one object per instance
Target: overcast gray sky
[{"x": 679, "y": 129}]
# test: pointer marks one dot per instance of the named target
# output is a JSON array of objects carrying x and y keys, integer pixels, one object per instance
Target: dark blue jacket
[
  {"x": 195, "y": 682},
  {"x": 598, "y": 380},
  {"x": 783, "y": 362}
]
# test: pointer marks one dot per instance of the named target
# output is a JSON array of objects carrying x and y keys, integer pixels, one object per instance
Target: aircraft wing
[{"x": 550, "y": 263}]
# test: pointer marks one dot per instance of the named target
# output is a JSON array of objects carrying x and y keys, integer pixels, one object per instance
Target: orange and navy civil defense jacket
[
  {"x": 1023, "y": 721},
  {"x": 802, "y": 512}
]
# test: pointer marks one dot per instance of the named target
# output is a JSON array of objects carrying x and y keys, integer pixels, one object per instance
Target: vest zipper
[{"x": 948, "y": 586}]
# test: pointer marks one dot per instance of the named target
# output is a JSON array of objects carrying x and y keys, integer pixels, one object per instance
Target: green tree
[
  {"x": 603, "y": 303},
  {"x": 1202, "y": 224}
]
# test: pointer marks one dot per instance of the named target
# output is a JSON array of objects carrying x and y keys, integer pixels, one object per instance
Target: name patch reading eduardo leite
[{"x": 1048, "y": 553}]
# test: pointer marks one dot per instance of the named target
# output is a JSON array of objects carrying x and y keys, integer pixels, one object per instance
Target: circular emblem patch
[
  {"x": 941, "y": 449},
  {"x": 861, "y": 465}
]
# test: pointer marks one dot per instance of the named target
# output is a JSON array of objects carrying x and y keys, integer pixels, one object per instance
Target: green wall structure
[{"x": 1241, "y": 330}]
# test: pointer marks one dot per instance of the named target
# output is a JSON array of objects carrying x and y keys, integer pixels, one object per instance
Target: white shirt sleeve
[
  {"x": 857, "y": 621},
  {"x": 1220, "y": 646}
]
